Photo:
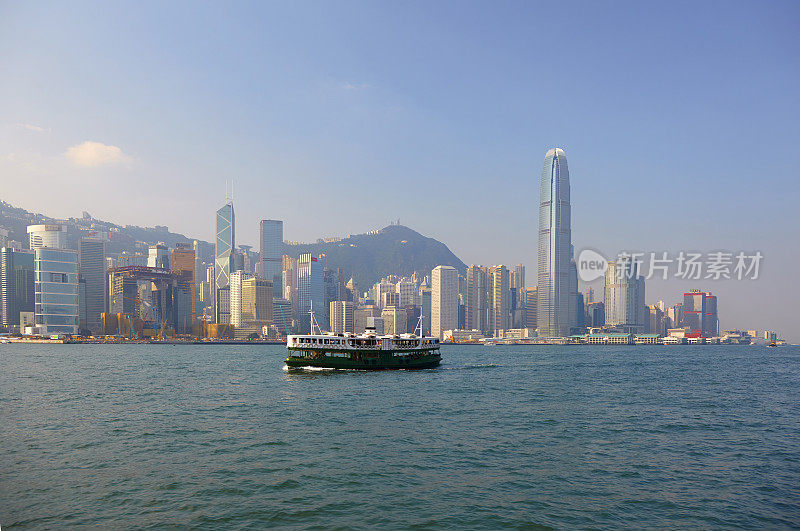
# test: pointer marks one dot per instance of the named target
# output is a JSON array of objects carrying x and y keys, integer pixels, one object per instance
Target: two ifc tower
[
  {"x": 557, "y": 279},
  {"x": 557, "y": 288}
]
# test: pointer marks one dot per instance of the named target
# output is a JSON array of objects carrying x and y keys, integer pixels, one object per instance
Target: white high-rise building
[
  {"x": 499, "y": 294},
  {"x": 444, "y": 300},
  {"x": 342, "y": 317},
  {"x": 51, "y": 236},
  {"x": 624, "y": 296},
  {"x": 158, "y": 256},
  {"x": 555, "y": 240},
  {"x": 236, "y": 300}
]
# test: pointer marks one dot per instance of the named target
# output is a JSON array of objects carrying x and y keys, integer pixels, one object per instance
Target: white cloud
[
  {"x": 36, "y": 128},
  {"x": 92, "y": 154},
  {"x": 354, "y": 86}
]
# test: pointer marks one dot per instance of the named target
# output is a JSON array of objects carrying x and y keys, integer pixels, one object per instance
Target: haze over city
[
  {"x": 680, "y": 124},
  {"x": 381, "y": 264}
]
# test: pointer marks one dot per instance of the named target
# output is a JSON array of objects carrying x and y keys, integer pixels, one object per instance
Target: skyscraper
[
  {"x": 271, "y": 239},
  {"x": 596, "y": 314},
  {"x": 223, "y": 261},
  {"x": 555, "y": 239},
  {"x": 478, "y": 300},
  {"x": 519, "y": 277},
  {"x": 444, "y": 300},
  {"x": 236, "y": 299},
  {"x": 575, "y": 297},
  {"x": 311, "y": 292},
  {"x": 700, "y": 313},
  {"x": 92, "y": 267},
  {"x": 425, "y": 310},
  {"x": 56, "y": 291},
  {"x": 499, "y": 280},
  {"x": 407, "y": 292},
  {"x": 158, "y": 256},
  {"x": 395, "y": 320},
  {"x": 531, "y": 303},
  {"x": 342, "y": 315},
  {"x": 183, "y": 265},
  {"x": 282, "y": 315},
  {"x": 624, "y": 296},
  {"x": 53, "y": 236},
  {"x": 16, "y": 284}
]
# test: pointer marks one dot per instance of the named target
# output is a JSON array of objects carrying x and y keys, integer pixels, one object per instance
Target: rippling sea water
[{"x": 551, "y": 436}]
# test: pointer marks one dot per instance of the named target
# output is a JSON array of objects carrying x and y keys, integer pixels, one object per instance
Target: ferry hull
[{"x": 380, "y": 363}]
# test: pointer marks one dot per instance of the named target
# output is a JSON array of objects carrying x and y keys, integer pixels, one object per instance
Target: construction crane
[{"x": 149, "y": 308}]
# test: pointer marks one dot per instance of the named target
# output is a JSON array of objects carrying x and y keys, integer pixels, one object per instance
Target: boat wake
[
  {"x": 286, "y": 368},
  {"x": 471, "y": 367}
]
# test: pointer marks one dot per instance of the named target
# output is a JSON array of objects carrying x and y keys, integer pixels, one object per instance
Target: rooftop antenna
[{"x": 229, "y": 191}]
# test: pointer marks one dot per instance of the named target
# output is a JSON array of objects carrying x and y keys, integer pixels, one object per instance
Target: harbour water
[{"x": 571, "y": 436}]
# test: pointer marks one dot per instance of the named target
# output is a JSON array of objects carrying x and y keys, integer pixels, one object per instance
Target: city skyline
[{"x": 336, "y": 107}]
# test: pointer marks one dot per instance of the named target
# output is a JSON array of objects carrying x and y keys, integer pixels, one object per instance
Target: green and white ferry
[{"x": 366, "y": 351}]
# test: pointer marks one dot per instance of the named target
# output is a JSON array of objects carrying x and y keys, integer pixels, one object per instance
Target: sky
[{"x": 680, "y": 122}]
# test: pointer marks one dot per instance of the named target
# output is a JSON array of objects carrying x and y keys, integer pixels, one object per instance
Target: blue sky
[{"x": 681, "y": 123}]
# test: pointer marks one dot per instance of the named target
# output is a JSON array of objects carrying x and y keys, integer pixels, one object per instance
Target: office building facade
[
  {"x": 92, "y": 269},
  {"x": 56, "y": 291},
  {"x": 500, "y": 295},
  {"x": 700, "y": 314},
  {"x": 531, "y": 306},
  {"x": 477, "y": 304},
  {"x": 53, "y": 236},
  {"x": 16, "y": 284},
  {"x": 624, "y": 297},
  {"x": 224, "y": 260},
  {"x": 311, "y": 292},
  {"x": 158, "y": 256},
  {"x": 271, "y": 249},
  {"x": 342, "y": 317},
  {"x": 555, "y": 241},
  {"x": 444, "y": 300}
]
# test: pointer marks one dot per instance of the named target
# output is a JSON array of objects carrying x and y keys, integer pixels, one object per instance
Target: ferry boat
[{"x": 367, "y": 351}]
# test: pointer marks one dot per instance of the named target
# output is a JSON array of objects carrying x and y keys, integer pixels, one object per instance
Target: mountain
[
  {"x": 366, "y": 257},
  {"x": 130, "y": 238},
  {"x": 392, "y": 250}
]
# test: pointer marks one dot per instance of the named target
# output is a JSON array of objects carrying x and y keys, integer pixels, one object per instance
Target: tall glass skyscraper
[
  {"x": 223, "y": 260},
  {"x": 16, "y": 284},
  {"x": 271, "y": 239},
  {"x": 92, "y": 268},
  {"x": 555, "y": 241},
  {"x": 56, "y": 290},
  {"x": 311, "y": 291}
]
